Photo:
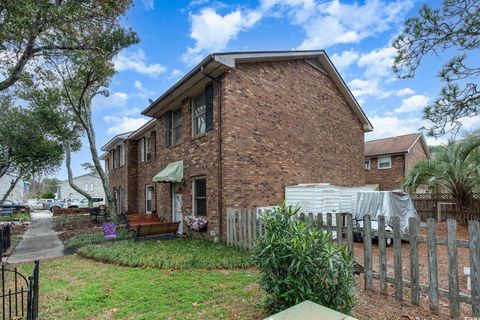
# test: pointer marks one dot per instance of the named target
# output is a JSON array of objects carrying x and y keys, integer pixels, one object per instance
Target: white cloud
[
  {"x": 341, "y": 61},
  {"x": 413, "y": 103},
  {"x": 367, "y": 87},
  {"x": 142, "y": 91},
  {"x": 299, "y": 11},
  {"x": 122, "y": 124},
  {"x": 117, "y": 100},
  {"x": 137, "y": 61},
  {"x": 212, "y": 32},
  {"x": 335, "y": 22},
  {"x": 378, "y": 63},
  {"x": 176, "y": 74},
  {"x": 404, "y": 92},
  {"x": 148, "y": 4},
  {"x": 391, "y": 125}
]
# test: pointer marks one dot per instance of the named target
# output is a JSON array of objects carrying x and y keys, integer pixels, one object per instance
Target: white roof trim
[{"x": 424, "y": 145}]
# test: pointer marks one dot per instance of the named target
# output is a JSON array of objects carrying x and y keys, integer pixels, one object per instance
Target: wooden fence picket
[
  {"x": 474, "y": 237},
  {"x": 243, "y": 227},
  {"x": 382, "y": 245},
  {"x": 453, "y": 268},
  {"x": 432, "y": 263},
  {"x": 367, "y": 239},
  {"x": 414, "y": 272},
  {"x": 338, "y": 223},
  {"x": 350, "y": 235},
  {"x": 397, "y": 258}
]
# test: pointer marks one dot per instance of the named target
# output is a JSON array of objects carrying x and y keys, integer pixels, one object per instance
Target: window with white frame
[
  {"x": 384, "y": 162},
  {"x": 112, "y": 159},
  {"x": 148, "y": 148},
  {"x": 177, "y": 126},
  {"x": 122, "y": 154},
  {"x": 91, "y": 187},
  {"x": 200, "y": 196},
  {"x": 86, "y": 187},
  {"x": 368, "y": 164},
  {"x": 148, "y": 199},
  {"x": 199, "y": 114}
]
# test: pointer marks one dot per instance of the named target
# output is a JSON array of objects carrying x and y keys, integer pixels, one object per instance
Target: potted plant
[{"x": 197, "y": 223}]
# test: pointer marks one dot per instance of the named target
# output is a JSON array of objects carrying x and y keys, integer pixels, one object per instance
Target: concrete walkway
[{"x": 40, "y": 241}]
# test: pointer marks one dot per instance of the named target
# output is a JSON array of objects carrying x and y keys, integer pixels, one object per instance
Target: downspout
[{"x": 219, "y": 151}]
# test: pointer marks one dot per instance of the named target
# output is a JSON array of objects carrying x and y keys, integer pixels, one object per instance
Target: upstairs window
[
  {"x": 199, "y": 115},
  {"x": 368, "y": 164},
  {"x": 146, "y": 149},
  {"x": 122, "y": 154},
  {"x": 177, "y": 126},
  {"x": 113, "y": 159},
  {"x": 202, "y": 112},
  {"x": 384, "y": 162}
]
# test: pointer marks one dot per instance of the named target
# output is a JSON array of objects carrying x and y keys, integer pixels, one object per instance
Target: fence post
[
  {"x": 234, "y": 226},
  {"x": 338, "y": 224},
  {"x": 244, "y": 228},
  {"x": 350, "y": 235},
  {"x": 432, "y": 263},
  {"x": 310, "y": 218},
  {"x": 367, "y": 239},
  {"x": 302, "y": 216},
  {"x": 414, "y": 274},
  {"x": 453, "y": 267},
  {"x": 329, "y": 222},
  {"x": 397, "y": 258},
  {"x": 320, "y": 220},
  {"x": 250, "y": 238},
  {"x": 229, "y": 224},
  {"x": 382, "y": 244},
  {"x": 474, "y": 237}
]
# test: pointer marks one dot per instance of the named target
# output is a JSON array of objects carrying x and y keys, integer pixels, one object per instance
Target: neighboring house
[
  {"x": 90, "y": 183},
  {"x": 234, "y": 131},
  {"x": 19, "y": 192},
  {"x": 387, "y": 160}
]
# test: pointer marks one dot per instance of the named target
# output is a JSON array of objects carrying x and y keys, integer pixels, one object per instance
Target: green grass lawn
[
  {"x": 169, "y": 254},
  {"x": 76, "y": 288},
  {"x": 94, "y": 238}
]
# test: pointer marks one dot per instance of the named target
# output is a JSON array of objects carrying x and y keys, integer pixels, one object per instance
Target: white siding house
[
  {"x": 19, "y": 193},
  {"x": 90, "y": 183}
]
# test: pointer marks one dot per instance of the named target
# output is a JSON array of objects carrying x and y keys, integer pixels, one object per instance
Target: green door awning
[{"x": 173, "y": 172}]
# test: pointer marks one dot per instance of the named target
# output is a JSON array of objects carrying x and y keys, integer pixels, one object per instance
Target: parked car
[
  {"x": 16, "y": 206},
  {"x": 57, "y": 204},
  {"x": 73, "y": 203},
  {"x": 97, "y": 201},
  {"x": 43, "y": 204}
]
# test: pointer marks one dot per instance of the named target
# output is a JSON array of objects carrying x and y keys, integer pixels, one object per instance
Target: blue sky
[{"x": 357, "y": 36}]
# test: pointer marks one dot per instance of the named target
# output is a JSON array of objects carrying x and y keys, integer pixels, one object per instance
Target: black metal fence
[
  {"x": 19, "y": 294},
  {"x": 4, "y": 239}
]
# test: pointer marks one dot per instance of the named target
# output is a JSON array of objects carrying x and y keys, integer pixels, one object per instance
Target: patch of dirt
[{"x": 17, "y": 230}]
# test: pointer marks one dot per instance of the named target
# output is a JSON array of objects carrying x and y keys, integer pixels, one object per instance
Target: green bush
[
  {"x": 48, "y": 195},
  {"x": 299, "y": 262}
]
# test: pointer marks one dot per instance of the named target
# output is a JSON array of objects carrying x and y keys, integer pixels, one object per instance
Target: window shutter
[
  {"x": 153, "y": 144},
  {"x": 166, "y": 129},
  {"x": 209, "y": 107}
]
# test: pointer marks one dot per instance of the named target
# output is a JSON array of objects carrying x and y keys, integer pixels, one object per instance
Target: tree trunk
[
  {"x": 5, "y": 165},
  {"x": 68, "y": 161},
  {"x": 96, "y": 162},
  {"x": 12, "y": 186}
]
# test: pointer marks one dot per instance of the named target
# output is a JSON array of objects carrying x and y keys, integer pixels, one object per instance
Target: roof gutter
[{"x": 190, "y": 74}]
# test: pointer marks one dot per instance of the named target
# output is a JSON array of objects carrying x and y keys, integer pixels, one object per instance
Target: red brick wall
[
  {"x": 417, "y": 153},
  {"x": 283, "y": 123},
  {"x": 387, "y": 179},
  {"x": 286, "y": 123}
]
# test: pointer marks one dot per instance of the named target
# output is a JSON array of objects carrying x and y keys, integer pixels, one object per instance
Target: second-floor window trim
[
  {"x": 177, "y": 126},
  {"x": 122, "y": 154},
  {"x": 146, "y": 148},
  {"x": 198, "y": 115}
]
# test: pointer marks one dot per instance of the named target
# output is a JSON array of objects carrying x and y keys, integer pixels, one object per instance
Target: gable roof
[
  {"x": 83, "y": 175},
  {"x": 217, "y": 63},
  {"x": 395, "y": 145},
  {"x": 117, "y": 139}
]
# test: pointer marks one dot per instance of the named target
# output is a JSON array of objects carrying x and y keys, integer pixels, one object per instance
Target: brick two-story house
[
  {"x": 387, "y": 160},
  {"x": 234, "y": 131}
]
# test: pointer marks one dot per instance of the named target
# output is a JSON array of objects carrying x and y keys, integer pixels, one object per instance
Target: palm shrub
[
  {"x": 298, "y": 262},
  {"x": 456, "y": 169}
]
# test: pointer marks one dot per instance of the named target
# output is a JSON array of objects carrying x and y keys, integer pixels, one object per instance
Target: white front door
[{"x": 177, "y": 207}]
